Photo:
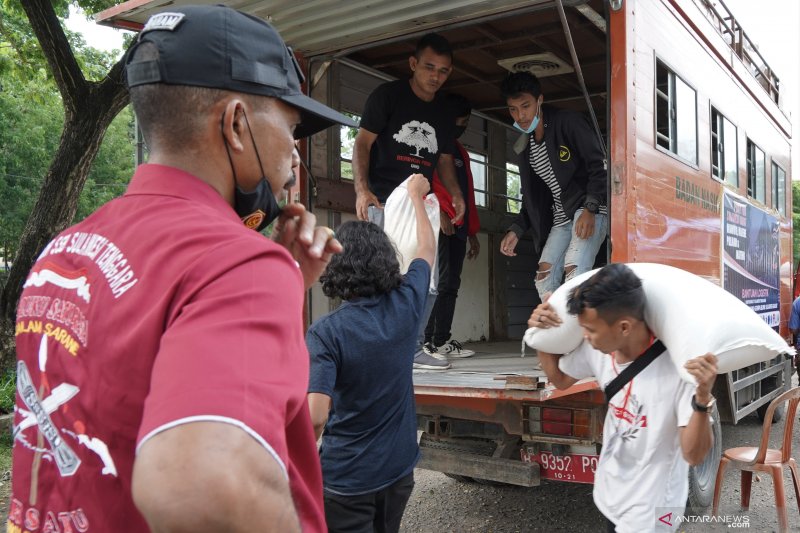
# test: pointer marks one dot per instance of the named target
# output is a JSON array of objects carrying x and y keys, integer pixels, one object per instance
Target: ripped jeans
[{"x": 563, "y": 247}]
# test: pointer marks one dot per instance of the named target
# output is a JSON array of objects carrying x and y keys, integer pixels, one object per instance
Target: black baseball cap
[{"x": 220, "y": 48}]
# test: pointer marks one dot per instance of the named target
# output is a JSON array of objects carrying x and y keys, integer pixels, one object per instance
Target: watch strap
[{"x": 702, "y": 408}]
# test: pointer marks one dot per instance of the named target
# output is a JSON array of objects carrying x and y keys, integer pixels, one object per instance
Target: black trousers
[
  {"x": 451, "y": 261},
  {"x": 379, "y": 512}
]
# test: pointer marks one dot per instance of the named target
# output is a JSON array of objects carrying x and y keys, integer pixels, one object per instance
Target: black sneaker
[
  {"x": 431, "y": 350},
  {"x": 453, "y": 348}
]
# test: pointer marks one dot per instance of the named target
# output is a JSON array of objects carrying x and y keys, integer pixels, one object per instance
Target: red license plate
[{"x": 573, "y": 468}]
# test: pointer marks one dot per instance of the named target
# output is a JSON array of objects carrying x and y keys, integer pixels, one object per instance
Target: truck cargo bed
[
  {"x": 491, "y": 364},
  {"x": 497, "y": 368}
]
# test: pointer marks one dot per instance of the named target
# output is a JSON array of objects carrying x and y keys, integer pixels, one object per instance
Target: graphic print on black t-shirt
[
  {"x": 412, "y": 133},
  {"x": 418, "y": 135}
]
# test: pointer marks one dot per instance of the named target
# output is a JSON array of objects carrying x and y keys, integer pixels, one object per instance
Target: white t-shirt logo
[{"x": 418, "y": 135}]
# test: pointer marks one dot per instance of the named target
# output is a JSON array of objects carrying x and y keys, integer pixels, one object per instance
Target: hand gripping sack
[
  {"x": 691, "y": 316},
  {"x": 400, "y": 224}
]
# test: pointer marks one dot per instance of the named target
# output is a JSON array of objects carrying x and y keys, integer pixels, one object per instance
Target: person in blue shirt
[
  {"x": 360, "y": 393},
  {"x": 794, "y": 326}
]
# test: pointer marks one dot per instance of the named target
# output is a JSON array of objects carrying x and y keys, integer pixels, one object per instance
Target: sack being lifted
[
  {"x": 400, "y": 224},
  {"x": 691, "y": 316}
]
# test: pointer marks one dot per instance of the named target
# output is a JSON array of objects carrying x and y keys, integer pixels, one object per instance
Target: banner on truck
[{"x": 751, "y": 257}]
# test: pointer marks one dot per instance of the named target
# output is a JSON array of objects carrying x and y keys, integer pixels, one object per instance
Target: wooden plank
[
  {"x": 336, "y": 195},
  {"x": 519, "y": 315},
  {"x": 498, "y": 323},
  {"x": 524, "y": 297},
  {"x": 523, "y": 382},
  {"x": 516, "y": 331},
  {"x": 520, "y": 280}
]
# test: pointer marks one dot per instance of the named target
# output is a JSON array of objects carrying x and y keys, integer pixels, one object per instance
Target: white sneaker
[
  {"x": 424, "y": 361},
  {"x": 453, "y": 348}
]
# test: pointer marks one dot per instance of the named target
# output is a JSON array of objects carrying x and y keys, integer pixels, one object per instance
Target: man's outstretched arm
[{"x": 364, "y": 196}]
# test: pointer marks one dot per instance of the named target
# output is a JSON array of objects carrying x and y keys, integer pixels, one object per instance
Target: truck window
[
  {"x": 514, "y": 200},
  {"x": 676, "y": 114},
  {"x": 756, "y": 172},
  {"x": 778, "y": 188},
  {"x": 477, "y": 164},
  {"x": 348, "y": 139},
  {"x": 724, "y": 160}
]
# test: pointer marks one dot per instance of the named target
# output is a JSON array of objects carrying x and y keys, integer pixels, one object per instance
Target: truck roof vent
[{"x": 542, "y": 65}]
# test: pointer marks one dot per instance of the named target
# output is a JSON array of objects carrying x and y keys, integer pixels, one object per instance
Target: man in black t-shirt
[{"x": 408, "y": 128}]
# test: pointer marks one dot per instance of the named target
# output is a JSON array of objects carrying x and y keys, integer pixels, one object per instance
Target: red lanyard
[{"x": 630, "y": 384}]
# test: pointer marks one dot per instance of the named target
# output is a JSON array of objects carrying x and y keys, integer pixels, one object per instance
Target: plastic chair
[{"x": 765, "y": 459}]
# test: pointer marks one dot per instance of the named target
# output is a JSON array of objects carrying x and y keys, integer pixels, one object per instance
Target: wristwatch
[
  {"x": 591, "y": 206},
  {"x": 703, "y": 408}
]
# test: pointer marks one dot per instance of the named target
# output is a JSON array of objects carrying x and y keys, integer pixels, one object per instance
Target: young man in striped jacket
[{"x": 563, "y": 182}]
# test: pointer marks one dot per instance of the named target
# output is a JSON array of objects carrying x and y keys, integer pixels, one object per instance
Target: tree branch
[{"x": 56, "y": 49}]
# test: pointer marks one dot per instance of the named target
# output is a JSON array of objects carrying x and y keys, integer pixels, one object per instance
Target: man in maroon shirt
[{"x": 162, "y": 368}]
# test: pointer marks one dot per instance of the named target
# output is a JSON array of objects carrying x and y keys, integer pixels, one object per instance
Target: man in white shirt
[{"x": 656, "y": 424}]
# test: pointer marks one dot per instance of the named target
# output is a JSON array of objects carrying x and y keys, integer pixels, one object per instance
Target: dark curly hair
[
  {"x": 368, "y": 265},
  {"x": 615, "y": 291}
]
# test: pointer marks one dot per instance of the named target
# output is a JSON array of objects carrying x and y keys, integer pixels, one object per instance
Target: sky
[
  {"x": 100, "y": 37},
  {"x": 771, "y": 24},
  {"x": 773, "y": 27}
]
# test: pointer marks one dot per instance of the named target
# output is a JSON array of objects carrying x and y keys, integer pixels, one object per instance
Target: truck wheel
[
  {"x": 702, "y": 477},
  {"x": 777, "y": 415}
]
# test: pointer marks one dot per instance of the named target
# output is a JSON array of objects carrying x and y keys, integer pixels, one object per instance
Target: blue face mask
[
  {"x": 534, "y": 122},
  {"x": 532, "y": 127}
]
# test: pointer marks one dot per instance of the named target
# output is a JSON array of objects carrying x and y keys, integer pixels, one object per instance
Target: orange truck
[
  {"x": 699, "y": 179},
  {"x": 698, "y": 160}
]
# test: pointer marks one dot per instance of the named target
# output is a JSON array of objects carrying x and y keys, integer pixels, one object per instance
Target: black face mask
[
  {"x": 257, "y": 208},
  {"x": 460, "y": 131}
]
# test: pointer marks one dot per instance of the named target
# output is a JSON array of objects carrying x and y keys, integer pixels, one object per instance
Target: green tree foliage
[
  {"x": 112, "y": 168},
  {"x": 33, "y": 118},
  {"x": 32, "y": 121},
  {"x": 58, "y": 98},
  {"x": 348, "y": 140}
]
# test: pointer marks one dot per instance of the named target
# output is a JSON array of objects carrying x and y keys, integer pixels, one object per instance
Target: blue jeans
[{"x": 563, "y": 247}]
